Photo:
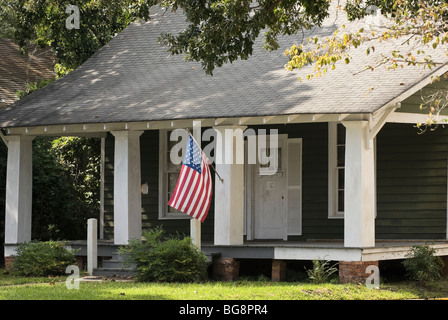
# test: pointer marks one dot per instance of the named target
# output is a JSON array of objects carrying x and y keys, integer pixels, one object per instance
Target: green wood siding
[{"x": 411, "y": 184}]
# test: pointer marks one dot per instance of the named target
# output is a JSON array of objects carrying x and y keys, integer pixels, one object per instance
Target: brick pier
[
  {"x": 354, "y": 271},
  {"x": 226, "y": 269},
  {"x": 278, "y": 270}
]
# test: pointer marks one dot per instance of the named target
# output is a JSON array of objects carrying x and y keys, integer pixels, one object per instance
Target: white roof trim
[
  {"x": 99, "y": 129},
  {"x": 420, "y": 85}
]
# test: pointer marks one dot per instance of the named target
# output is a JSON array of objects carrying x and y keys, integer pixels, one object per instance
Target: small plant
[
  {"x": 43, "y": 258},
  {"x": 165, "y": 260},
  {"x": 422, "y": 264},
  {"x": 321, "y": 271}
]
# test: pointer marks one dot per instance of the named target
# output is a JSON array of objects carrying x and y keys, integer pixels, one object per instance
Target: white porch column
[
  {"x": 359, "y": 211},
  {"x": 229, "y": 194},
  {"x": 127, "y": 187},
  {"x": 92, "y": 245},
  {"x": 19, "y": 189}
]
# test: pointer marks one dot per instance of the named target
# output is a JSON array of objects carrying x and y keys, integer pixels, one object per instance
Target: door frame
[{"x": 249, "y": 172}]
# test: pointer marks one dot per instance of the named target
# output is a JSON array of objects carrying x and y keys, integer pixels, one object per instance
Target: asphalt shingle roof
[
  {"x": 17, "y": 69},
  {"x": 134, "y": 78}
]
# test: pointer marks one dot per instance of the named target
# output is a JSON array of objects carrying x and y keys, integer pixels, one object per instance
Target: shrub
[
  {"x": 174, "y": 259},
  {"x": 43, "y": 258},
  {"x": 321, "y": 271},
  {"x": 422, "y": 265}
]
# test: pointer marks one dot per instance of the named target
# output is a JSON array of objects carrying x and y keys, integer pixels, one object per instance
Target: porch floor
[
  {"x": 295, "y": 250},
  {"x": 323, "y": 249}
]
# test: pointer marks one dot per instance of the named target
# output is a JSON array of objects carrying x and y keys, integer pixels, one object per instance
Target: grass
[{"x": 19, "y": 288}]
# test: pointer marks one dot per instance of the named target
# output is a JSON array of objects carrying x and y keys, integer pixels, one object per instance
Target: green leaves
[
  {"x": 223, "y": 31},
  {"x": 65, "y": 186},
  {"x": 321, "y": 271},
  {"x": 165, "y": 260},
  {"x": 413, "y": 25},
  {"x": 43, "y": 258},
  {"x": 422, "y": 264},
  {"x": 44, "y": 22}
]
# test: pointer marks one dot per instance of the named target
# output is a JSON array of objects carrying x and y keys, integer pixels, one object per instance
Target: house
[
  {"x": 17, "y": 70},
  {"x": 355, "y": 182}
]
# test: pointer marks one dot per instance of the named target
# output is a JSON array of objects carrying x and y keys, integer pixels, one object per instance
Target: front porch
[
  {"x": 395, "y": 211},
  {"x": 282, "y": 252},
  {"x": 382, "y": 189},
  {"x": 333, "y": 250}
]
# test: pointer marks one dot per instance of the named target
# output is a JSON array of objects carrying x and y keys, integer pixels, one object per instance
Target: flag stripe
[
  {"x": 184, "y": 186},
  {"x": 204, "y": 199},
  {"x": 206, "y": 205},
  {"x": 198, "y": 208},
  {"x": 197, "y": 204},
  {"x": 193, "y": 190},
  {"x": 179, "y": 186},
  {"x": 209, "y": 194},
  {"x": 190, "y": 189},
  {"x": 176, "y": 193},
  {"x": 193, "y": 202}
]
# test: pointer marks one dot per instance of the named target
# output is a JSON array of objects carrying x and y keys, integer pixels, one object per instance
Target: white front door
[{"x": 270, "y": 192}]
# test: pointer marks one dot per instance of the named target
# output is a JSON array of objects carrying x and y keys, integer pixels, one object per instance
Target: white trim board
[{"x": 101, "y": 128}]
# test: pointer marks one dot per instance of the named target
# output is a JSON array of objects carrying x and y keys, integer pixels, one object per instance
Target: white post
[
  {"x": 359, "y": 211},
  {"x": 92, "y": 245},
  {"x": 195, "y": 232},
  {"x": 229, "y": 193},
  {"x": 127, "y": 187},
  {"x": 19, "y": 190},
  {"x": 195, "y": 225}
]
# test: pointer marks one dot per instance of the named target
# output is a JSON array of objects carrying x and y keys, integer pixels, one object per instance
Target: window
[
  {"x": 336, "y": 170},
  {"x": 168, "y": 176}
]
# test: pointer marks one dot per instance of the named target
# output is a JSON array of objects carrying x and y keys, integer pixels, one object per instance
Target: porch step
[
  {"x": 114, "y": 272},
  {"x": 115, "y": 267}
]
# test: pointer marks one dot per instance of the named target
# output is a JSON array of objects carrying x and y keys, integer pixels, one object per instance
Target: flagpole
[{"x": 199, "y": 146}]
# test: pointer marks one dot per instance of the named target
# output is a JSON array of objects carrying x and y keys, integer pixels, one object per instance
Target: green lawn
[{"x": 19, "y": 288}]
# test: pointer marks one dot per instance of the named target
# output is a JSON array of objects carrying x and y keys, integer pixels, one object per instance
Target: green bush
[
  {"x": 165, "y": 260},
  {"x": 321, "y": 271},
  {"x": 43, "y": 258},
  {"x": 422, "y": 265}
]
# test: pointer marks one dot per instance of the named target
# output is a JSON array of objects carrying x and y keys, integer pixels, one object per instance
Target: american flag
[{"x": 193, "y": 191}]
